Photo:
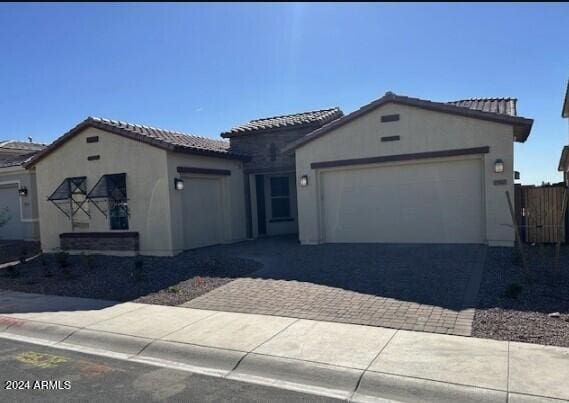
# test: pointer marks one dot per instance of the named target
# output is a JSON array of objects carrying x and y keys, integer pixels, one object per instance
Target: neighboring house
[
  {"x": 18, "y": 200},
  {"x": 270, "y": 187},
  {"x": 406, "y": 170},
  {"x": 398, "y": 170},
  {"x": 109, "y": 186},
  {"x": 564, "y": 160}
]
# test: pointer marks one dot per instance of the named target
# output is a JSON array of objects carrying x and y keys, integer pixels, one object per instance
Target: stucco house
[
  {"x": 114, "y": 187},
  {"x": 18, "y": 200},
  {"x": 400, "y": 169}
]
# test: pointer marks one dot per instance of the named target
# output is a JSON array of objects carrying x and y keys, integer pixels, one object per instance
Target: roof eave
[
  {"x": 228, "y": 135},
  {"x": 562, "y": 167},
  {"x": 565, "y": 110}
]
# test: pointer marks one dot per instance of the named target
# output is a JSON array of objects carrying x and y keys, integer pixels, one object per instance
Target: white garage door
[
  {"x": 203, "y": 218},
  {"x": 10, "y": 211},
  {"x": 434, "y": 202}
]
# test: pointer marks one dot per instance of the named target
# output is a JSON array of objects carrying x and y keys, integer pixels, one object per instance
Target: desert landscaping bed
[
  {"x": 153, "y": 280},
  {"x": 532, "y": 309}
]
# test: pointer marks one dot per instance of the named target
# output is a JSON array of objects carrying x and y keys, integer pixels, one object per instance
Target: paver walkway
[{"x": 428, "y": 288}]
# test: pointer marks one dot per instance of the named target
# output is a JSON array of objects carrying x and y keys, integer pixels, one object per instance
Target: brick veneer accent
[{"x": 117, "y": 241}]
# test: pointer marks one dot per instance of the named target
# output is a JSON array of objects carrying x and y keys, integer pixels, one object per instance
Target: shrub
[
  {"x": 88, "y": 261},
  {"x": 23, "y": 254},
  {"x": 513, "y": 291},
  {"x": 138, "y": 273},
  {"x": 62, "y": 259}
]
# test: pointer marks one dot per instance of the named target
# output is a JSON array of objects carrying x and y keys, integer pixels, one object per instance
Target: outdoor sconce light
[
  {"x": 304, "y": 180},
  {"x": 499, "y": 166},
  {"x": 23, "y": 191},
  {"x": 178, "y": 184}
]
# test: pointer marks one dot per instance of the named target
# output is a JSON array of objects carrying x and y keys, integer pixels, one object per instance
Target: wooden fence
[{"x": 540, "y": 213}]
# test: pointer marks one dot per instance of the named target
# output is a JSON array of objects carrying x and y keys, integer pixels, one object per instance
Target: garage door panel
[
  {"x": 10, "y": 207},
  {"x": 203, "y": 220},
  {"x": 413, "y": 203}
]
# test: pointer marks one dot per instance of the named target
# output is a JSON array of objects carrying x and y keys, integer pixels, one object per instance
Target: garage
[
  {"x": 10, "y": 209},
  {"x": 432, "y": 201},
  {"x": 202, "y": 207}
]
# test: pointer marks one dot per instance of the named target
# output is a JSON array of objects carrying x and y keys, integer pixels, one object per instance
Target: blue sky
[{"x": 203, "y": 68}]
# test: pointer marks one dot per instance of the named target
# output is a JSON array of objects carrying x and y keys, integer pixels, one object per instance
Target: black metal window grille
[
  {"x": 109, "y": 196},
  {"x": 70, "y": 196}
]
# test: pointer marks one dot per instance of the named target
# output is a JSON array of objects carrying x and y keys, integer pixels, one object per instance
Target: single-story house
[
  {"x": 564, "y": 160},
  {"x": 400, "y": 169},
  {"x": 112, "y": 186},
  {"x": 18, "y": 200}
]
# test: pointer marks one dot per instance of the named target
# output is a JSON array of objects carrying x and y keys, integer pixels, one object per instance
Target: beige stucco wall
[
  {"x": 233, "y": 200},
  {"x": 146, "y": 179},
  {"x": 28, "y": 219},
  {"x": 420, "y": 131}
]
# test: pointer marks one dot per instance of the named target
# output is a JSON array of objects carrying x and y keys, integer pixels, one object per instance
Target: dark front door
[{"x": 261, "y": 214}]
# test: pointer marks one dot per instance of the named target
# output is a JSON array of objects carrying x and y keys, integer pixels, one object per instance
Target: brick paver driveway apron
[{"x": 414, "y": 287}]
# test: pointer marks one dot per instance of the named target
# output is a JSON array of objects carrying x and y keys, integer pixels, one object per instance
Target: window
[
  {"x": 70, "y": 198},
  {"x": 109, "y": 195},
  {"x": 280, "y": 197}
]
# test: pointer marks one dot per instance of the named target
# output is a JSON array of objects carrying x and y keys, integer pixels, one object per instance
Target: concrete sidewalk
[{"x": 353, "y": 362}]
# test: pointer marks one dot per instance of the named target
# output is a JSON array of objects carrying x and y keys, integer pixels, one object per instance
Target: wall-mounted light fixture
[
  {"x": 178, "y": 184},
  {"x": 499, "y": 166},
  {"x": 23, "y": 191},
  {"x": 304, "y": 180}
]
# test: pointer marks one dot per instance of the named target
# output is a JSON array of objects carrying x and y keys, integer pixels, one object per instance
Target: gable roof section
[
  {"x": 504, "y": 106},
  {"x": 522, "y": 126},
  {"x": 297, "y": 120},
  {"x": 165, "y": 139}
]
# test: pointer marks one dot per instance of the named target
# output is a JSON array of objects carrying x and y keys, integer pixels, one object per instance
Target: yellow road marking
[{"x": 40, "y": 360}]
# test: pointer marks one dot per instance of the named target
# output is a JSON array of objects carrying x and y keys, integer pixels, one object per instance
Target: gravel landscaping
[
  {"x": 157, "y": 280},
  {"x": 13, "y": 250},
  {"x": 514, "y": 308}
]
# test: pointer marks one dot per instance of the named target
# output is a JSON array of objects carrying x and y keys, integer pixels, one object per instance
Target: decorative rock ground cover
[
  {"x": 533, "y": 309},
  {"x": 158, "y": 280}
]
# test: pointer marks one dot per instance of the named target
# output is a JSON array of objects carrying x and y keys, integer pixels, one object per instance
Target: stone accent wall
[
  {"x": 265, "y": 148},
  {"x": 116, "y": 241}
]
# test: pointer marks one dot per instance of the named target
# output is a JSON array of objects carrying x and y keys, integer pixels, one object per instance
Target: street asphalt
[{"x": 37, "y": 373}]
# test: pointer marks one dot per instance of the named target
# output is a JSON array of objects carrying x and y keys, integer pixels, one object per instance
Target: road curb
[
  {"x": 293, "y": 374},
  {"x": 39, "y": 330},
  {"x": 204, "y": 359},
  {"x": 376, "y": 385},
  {"x": 116, "y": 343}
]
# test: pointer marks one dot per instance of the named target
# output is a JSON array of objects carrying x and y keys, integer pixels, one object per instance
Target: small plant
[
  {"x": 62, "y": 259},
  {"x": 138, "y": 272},
  {"x": 513, "y": 291},
  {"x": 23, "y": 254},
  {"x": 88, "y": 261},
  {"x": 172, "y": 290}
]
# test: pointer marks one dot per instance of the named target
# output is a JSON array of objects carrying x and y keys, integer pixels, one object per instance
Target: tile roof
[
  {"x": 504, "y": 106},
  {"x": 21, "y": 145},
  {"x": 171, "y": 137},
  {"x": 522, "y": 126},
  {"x": 169, "y": 140},
  {"x": 303, "y": 119},
  {"x": 14, "y": 160}
]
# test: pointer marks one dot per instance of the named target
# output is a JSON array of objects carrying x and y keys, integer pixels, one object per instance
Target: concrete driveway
[{"x": 429, "y": 288}]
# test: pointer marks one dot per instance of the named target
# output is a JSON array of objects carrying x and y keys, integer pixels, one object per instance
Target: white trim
[{"x": 18, "y": 184}]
